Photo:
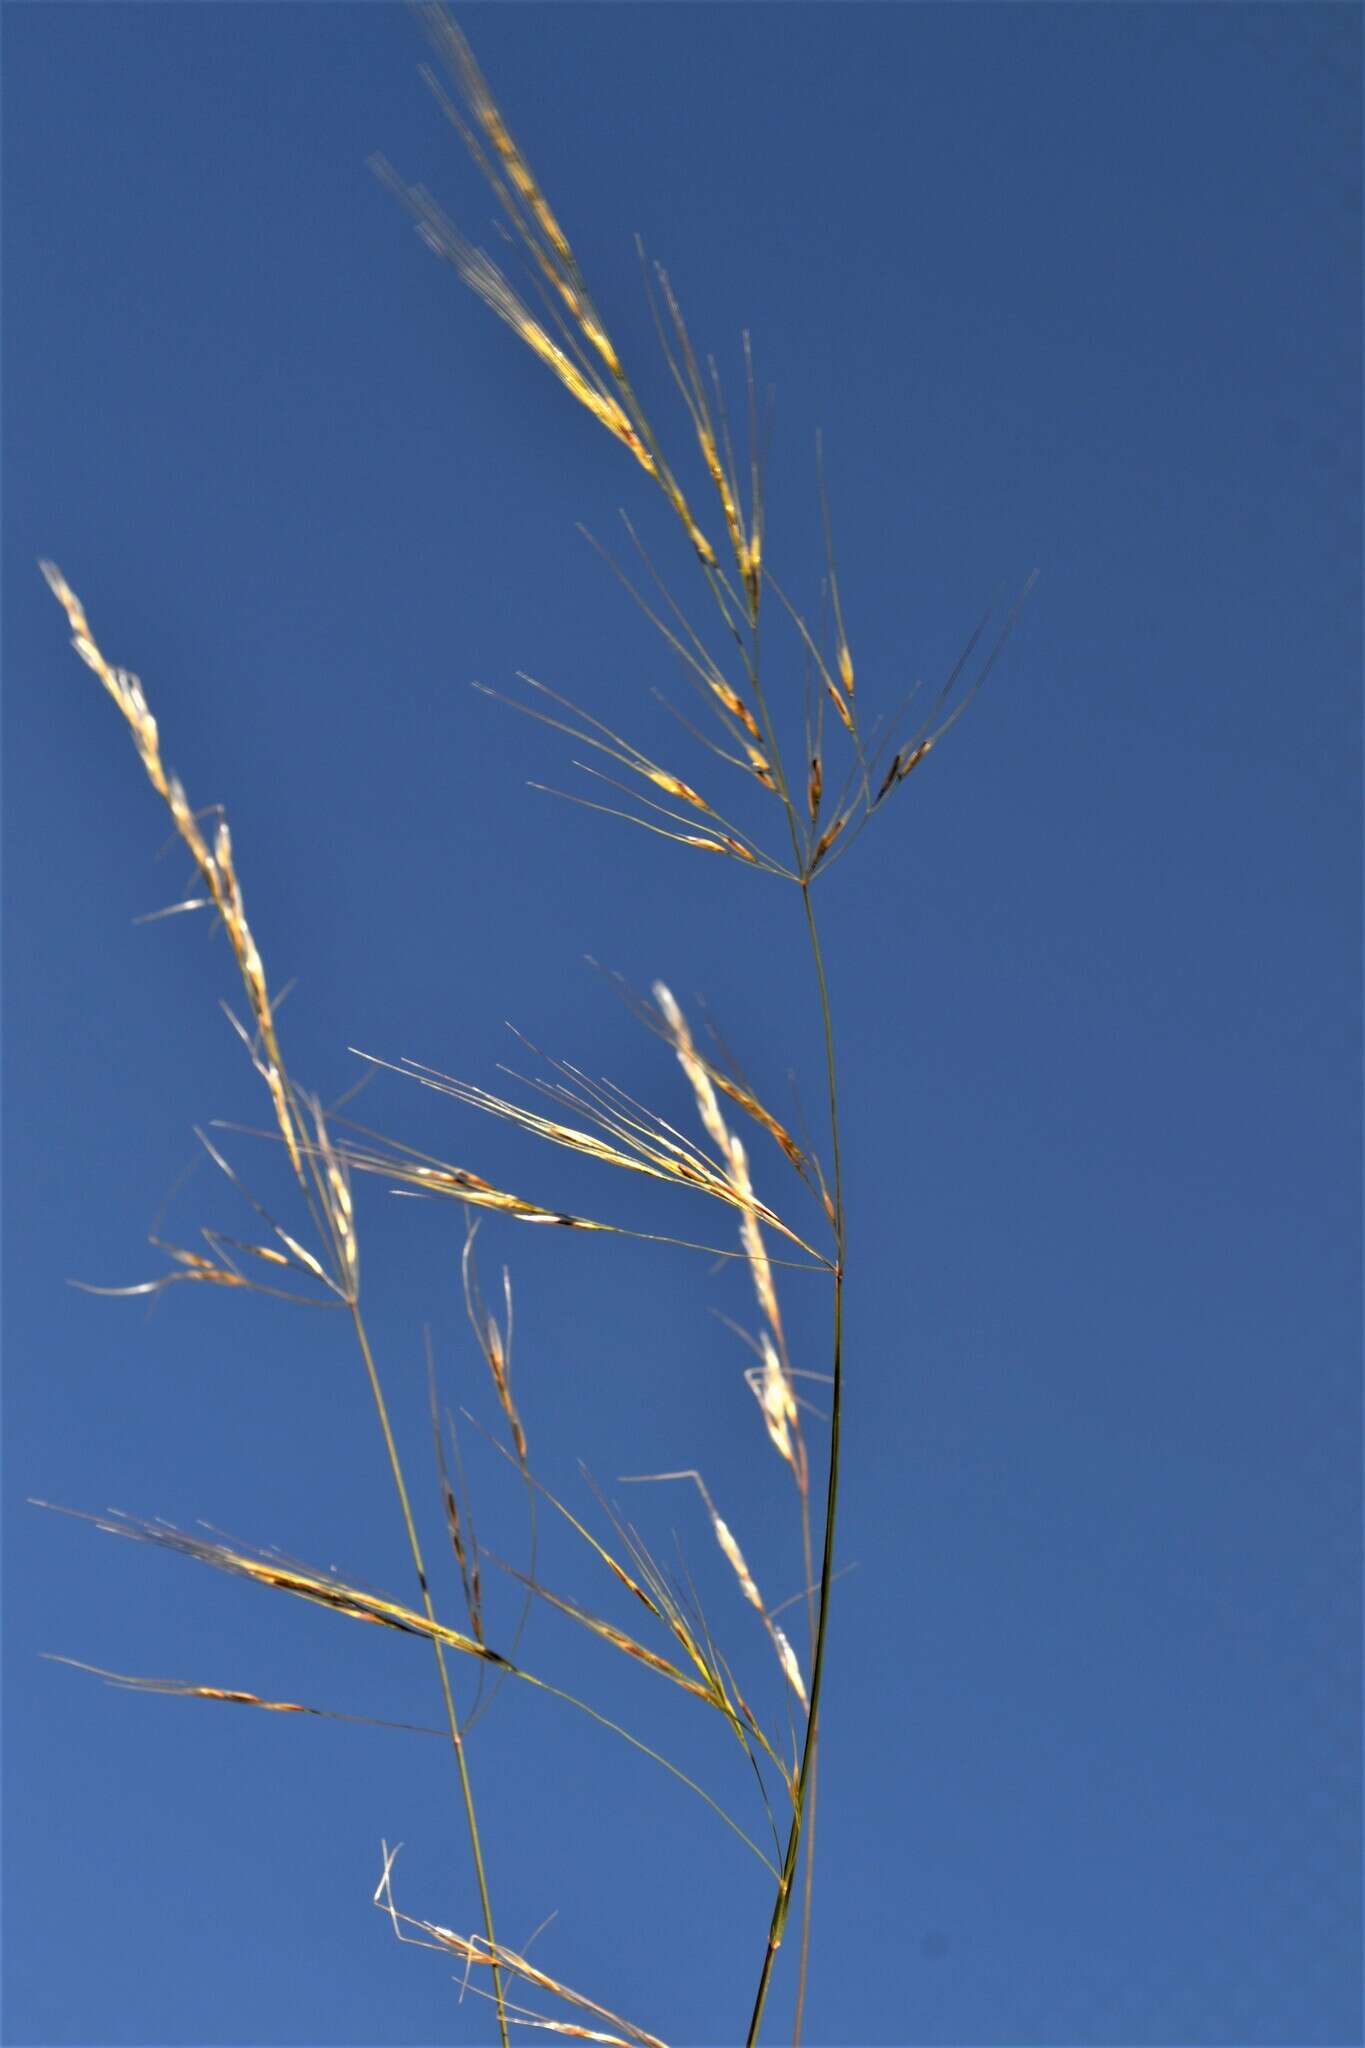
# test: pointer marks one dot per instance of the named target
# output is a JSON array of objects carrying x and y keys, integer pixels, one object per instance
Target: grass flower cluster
[{"x": 806, "y": 773}]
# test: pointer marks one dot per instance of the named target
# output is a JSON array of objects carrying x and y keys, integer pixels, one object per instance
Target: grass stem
[
  {"x": 457, "y": 1741},
  {"x": 784, "y": 1886}
]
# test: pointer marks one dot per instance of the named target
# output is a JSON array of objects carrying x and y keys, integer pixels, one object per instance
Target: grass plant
[{"x": 788, "y": 781}]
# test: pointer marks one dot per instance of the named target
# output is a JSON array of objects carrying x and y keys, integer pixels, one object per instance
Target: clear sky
[{"x": 1067, "y": 287}]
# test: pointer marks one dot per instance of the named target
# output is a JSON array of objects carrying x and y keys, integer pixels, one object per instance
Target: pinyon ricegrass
[{"x": 822, "y": 773}]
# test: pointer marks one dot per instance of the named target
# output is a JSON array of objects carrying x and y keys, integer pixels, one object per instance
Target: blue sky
[{"x": 1066, "y": 287}]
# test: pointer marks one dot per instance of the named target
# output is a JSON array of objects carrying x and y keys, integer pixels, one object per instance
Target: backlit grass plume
[{"x": 780, "y": 788}]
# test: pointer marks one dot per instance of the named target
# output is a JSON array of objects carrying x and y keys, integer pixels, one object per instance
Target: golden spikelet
[
  {"x": 695, "y": 1069},
  {"x": 234, "y": 1696},
  {"x": 734, "y": 1557},
  {"x": 519, "y": 172},
  {"x": 776, "y": 1401},
  {"x": 815, "y": 786},
  {"x": 792, "y": 1669},
  {"x": 619, "y": 1640},
  {"x": 488, "y": 283},
  {"x": 723, "y": 844},
  {"x": 730, "y": 1148},
  {"x": 694, "y": 533},
  {"x": 216, "y": 867},
  {"x": 673, "y": 785},
  {"x": 676, "y": 1030},
  {"x": 729, "y": 509},
  {"x": 736, "y": 706},
  {"x": 758, "y": 762},
  {"x": 333, "y": 1181},
  {"x": 826, "y": 840},
  {"x": 751, "y": 568},
  {"x": 840, "y": 703},
  {"x": 752, "y": 1239}
]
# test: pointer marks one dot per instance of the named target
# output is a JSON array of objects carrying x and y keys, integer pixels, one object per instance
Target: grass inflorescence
[{"x": 812, "y": 773}]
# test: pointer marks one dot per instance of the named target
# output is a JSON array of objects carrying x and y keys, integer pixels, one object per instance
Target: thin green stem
[
  {"x": 803, "y": 1964},
  {"x": 457, "y": 1741},
  {"x": 784, "y": 1886}
]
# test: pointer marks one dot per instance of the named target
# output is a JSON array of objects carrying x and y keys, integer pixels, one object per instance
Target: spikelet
[
  {"x": 758, "y": 762},
  {"x": 475, "y": 1950},
  {"x": 694, "y": 533},
  {"x": 619, "y": 1640},
  {"x": 334, "y": 1186},
  {"x": 715, "y": 1125},
  {"x": 522, "y": 197},
  {"x": 191, "y": 1265},
  {"x": 734, "y": 1557},
  {"x": 493, "y": 1341},
  {"x": 735, "y": 705},
  {"x": 787, "y": 1658},
  {"x": 840, "y": 703},
  {"x": 723, "y": 843},
  {"x": 645, "y": 1148},
  {"x": 901, "y": 765},
  {"x": 731, "y": 1150},
  {"x": 466, "y": 1551},
  {"x": 267, "y": 1568},
  {"x": 233, "y": 1696},
  {"x": 815, "y": 786},
  {"x": 729, "y": 509},
  {"x": 556, "y": 258},
  {"x": 776, "y": 1401},
  {"x": 673, "y": 785},
  {"x": 825, "y": 841},
  {"x": 519, "y": 172},
  {"x": 488, "y": 283},
  {"x": 673, "y": 1023},
  {"x": 689, "y": 382},
  {"x": 457, "y": 1182},
  {"x": 215, "y": 867},
  {"x": 752, "y": 1239},
  {"x": 751, "y": 567}
]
